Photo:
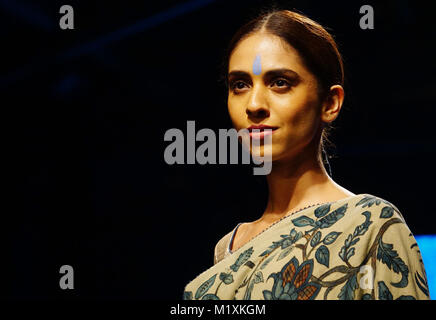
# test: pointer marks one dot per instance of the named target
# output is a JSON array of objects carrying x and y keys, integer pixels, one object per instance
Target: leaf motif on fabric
[
  {"x": 303, "y": 221},
  {"x": 243, "y": 257},
  {"x": 387, "y": 212},
  {"x": 322, "y": 210},
  {"x": 346, "y": 251},
  {"x": 204, "y": 287},
  {"x": 322, "y": 255},
  {"x": 227, "y": 278},
  {"x": 247, "y": 295},
  {"x": 267, "y": 295},
  {"x": 362, "y": 228},
  {"x": 347, "y": 291},
  {"x": 187, "y": 295},
  {"x": 350, "y": 253},
  {"x": 210, "y": 296},
  {"x": 383, "y": 291},
  {"x": 258, "y": 277},
  {"x": 422, "y": 284},
  {"x": 267, "y": 261},
  {"x": 316, "y": 238},
  {"x": 368, "y": 201},
  {"x": 406, "y": 298},
  {"x": 332, "y": 217},
  {"x": 366, "y": 296},
  {"x": 387, "y": 255},
  {"x": 331, "y": 237},
  {"x": 285, "y": 253}
]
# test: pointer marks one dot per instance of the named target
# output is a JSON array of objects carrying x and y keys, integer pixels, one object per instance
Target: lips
[
  {"x": 259, "y": 131},
  {"x": 261, "y": 127}
]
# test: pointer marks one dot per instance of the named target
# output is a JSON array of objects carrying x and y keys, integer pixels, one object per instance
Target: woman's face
[{"x": 268, "y": 84}]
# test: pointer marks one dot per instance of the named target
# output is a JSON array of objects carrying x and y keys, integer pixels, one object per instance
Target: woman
[{"x": 315, "y": 239}]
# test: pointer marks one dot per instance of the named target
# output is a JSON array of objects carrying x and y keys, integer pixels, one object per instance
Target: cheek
[
  {"x": 300, "y": 116},
  {"x": 235, "y": 112}
]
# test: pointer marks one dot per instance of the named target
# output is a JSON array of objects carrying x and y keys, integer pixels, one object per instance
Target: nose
[{"x": 256, "y": 106}]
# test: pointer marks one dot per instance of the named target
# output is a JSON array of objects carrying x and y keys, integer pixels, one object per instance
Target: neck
[{"x": 297, "y": 182}]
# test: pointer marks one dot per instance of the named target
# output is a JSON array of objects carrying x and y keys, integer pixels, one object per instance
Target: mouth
[{"x": 259, "y": 132}]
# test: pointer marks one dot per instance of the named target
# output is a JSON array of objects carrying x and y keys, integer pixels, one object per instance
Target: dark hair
[{"x": 315, "y": 45}]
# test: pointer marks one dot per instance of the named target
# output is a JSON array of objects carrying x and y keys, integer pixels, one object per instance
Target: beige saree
[{"x": 355, "y": 248}]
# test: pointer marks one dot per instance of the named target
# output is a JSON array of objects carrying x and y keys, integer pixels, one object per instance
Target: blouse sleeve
[{"x": 396, "y": 261}]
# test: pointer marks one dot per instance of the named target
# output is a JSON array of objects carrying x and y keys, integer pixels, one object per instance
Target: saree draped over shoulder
[{"x": 355, "y": 248}]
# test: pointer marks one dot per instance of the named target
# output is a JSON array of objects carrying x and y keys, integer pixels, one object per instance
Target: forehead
[{"x": 273, "y": 51}]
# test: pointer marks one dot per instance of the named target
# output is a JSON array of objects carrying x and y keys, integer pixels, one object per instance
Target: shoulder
[
  {"x": 393, "y": 250},
  {"x": 379, "y": 208},
  {"x": 381, "y": 222},
  {"x": 221, "y": 247},
  {"x": 368, "y": 218}
]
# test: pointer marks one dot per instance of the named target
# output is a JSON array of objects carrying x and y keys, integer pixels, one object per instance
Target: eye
[
  {"x": 280, "y": 83},
  {"x": 238, "y": 86}
]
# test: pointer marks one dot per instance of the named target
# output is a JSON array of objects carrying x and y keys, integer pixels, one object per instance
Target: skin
[{"x": 288, "y": 100}]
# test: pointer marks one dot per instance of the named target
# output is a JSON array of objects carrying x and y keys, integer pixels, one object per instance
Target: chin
[{"x": 266, "y": 153}]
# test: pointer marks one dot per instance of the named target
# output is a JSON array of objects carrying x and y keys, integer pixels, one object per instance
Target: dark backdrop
[{"x": 85, "y": 113}]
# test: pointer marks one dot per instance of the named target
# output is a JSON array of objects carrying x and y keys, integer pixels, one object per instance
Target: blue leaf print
[
  {"x": 406, "y": 298},
  {"x": 383, "y": 291},
  {"x": 227, "y": 278},
  {"x": 247, "y": 295},
  {"x": 350, "y": 253},
  {"x": 322, "y": 255},
  {"x": 204, "y": 287},
  {"x": 387, "y": 212},
  {"x": 422, "y": 284},
  {"x": 258, "y": 277},
  {"x": 187, "y": 295},
  {"x": 243, "y": 257},
  {"x": 347, "y": 291},
  {"x": 316, "y": 238},
  {"x": 346, "y": 253},
  {"x": 366, "y": 296},
  {"x": 284, "y": 253},
  {"x": 267, "y": 295},
  {"x": 368, "y": 201},
  {"x": 332, "y": 217},
  {"x": 303, "y": 221},
  {"x": 267, "y": 251},
  {"x": 389, "y": 257},
  {"x": 268, "y": 260},
  {"x": 361, "y": 229},
  {"x": 322, "y": 211},
  {"x": 331, "y": 237},
  {"x": 210, "y": 296}
]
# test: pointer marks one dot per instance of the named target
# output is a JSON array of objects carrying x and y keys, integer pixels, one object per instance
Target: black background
[{"x": 85, "y": 113}]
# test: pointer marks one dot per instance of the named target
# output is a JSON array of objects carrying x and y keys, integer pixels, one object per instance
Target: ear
[{"x": 332, "y": 104}]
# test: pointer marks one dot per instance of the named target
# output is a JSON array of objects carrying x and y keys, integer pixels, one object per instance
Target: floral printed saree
[{"x": 355, "y": 248}]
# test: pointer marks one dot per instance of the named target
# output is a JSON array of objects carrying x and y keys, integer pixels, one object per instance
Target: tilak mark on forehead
[{"x": 257, "y": 69}]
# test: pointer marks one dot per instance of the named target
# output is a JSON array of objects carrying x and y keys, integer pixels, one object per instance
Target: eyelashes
[
  {"x": 237, "y": 85},
  {"x": 281, "y": 84}
]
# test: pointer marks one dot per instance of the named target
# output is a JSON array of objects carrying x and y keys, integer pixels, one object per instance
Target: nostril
[{"x": 257, "y": 113}]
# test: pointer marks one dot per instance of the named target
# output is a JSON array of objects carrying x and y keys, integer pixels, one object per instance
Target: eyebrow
[{"x": 268, "y": 74}]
